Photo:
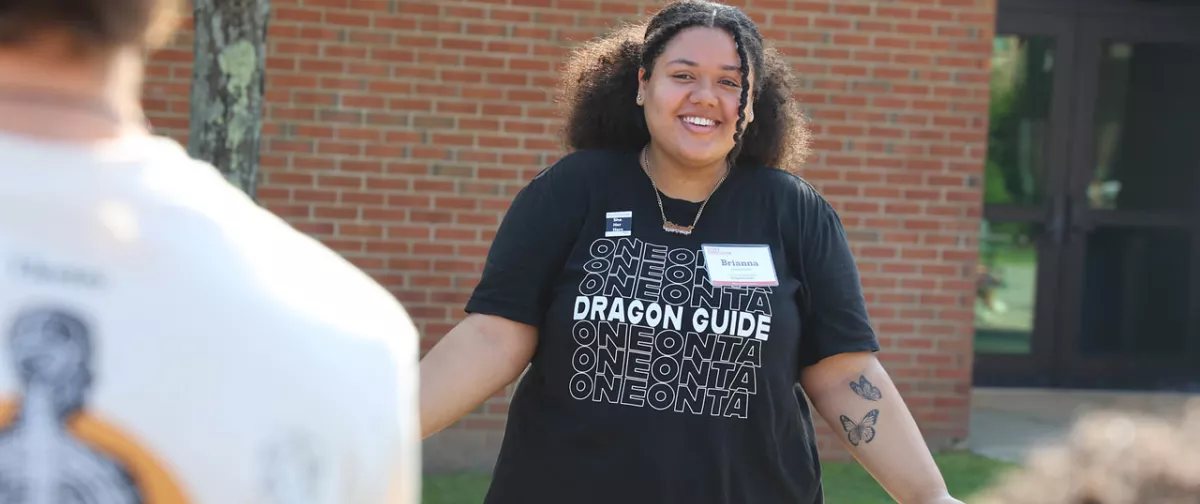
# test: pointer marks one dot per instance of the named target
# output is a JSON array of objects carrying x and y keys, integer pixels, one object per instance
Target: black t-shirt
[{"x": 649, "y": 385}]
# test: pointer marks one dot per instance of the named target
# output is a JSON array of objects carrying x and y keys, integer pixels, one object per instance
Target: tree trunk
[{"x": 227, "y": 87}]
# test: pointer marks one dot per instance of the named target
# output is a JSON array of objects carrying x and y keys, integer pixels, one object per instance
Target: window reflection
[
  {"x": 1006, "y": 287},
  {"x": 1019, "y": 127},
  {"x": 1146, "y": 119}
]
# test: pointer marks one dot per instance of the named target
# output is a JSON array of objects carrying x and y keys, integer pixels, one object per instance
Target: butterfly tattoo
[
  {"x": 864, "y": 388},
  {"x": 861, "y": 432}
]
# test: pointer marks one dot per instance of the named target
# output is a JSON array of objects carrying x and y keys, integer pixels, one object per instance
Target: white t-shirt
[{"x": 165, "y": 340}]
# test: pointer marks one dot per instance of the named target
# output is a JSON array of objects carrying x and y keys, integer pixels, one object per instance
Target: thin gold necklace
[{"x": 669, "y": 226}]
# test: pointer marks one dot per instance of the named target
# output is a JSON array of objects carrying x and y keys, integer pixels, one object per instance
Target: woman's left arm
[
  {"x": 854, "y": 393},
  {"x": 839, "y": 371}
]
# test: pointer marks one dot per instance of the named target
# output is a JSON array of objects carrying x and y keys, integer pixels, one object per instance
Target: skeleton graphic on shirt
[{"x": 41, "y": 462}]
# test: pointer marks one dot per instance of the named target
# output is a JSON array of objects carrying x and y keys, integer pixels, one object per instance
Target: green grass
[
  {"x": 966, "y": 474},
  {"x": 1003, "y": 256},
  {"x": 455, "y": 489},
  {"x": 845, "y": 483}
]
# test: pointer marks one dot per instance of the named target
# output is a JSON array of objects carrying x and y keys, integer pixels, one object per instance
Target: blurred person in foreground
[
  {"x": 667, "y": 284},
  {"x": 1111, "y": 457},
  {"x": 162, "y": 338}
]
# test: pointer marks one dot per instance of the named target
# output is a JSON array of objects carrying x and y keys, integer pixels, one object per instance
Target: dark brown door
[
  {"x": 1025, "y": 181},
  {"x": 1132, "y": 318},
  {"x": 1090, "y": 249}
]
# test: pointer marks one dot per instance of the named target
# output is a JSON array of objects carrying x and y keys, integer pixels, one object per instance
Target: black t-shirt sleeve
[
  {"x": 532, "y": 243},
  {"x": 833, "y": 309}
]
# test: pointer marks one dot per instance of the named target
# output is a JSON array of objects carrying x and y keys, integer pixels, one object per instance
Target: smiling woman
[{"x": 661, "y": 344}]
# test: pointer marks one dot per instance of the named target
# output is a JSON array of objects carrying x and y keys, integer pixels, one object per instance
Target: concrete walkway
[{"x": 1007, "y": 423}]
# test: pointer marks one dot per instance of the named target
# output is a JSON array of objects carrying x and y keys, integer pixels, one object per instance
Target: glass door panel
[
  {"x": 1145, "y": 136},
  {"x": 1022, "y": 89},
  {"x": 1136, "y": 292},
  {"x": 1024, "y": 178},
  {"x": 1006, "y": 287},
  {"x": 1016, "y": 172}
]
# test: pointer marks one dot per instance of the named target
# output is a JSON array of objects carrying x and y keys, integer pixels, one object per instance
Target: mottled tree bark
[{"x": 227, "y": 87}]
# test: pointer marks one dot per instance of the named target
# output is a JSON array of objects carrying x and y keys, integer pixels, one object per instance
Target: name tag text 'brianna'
[{"x": 740, "y": 265}]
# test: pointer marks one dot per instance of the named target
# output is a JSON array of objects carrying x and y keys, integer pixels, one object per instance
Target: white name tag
[{"x": 740, "y": 265}]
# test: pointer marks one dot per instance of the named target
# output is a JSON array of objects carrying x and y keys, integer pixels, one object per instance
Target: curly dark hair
[{"x": 598, "y": 88}]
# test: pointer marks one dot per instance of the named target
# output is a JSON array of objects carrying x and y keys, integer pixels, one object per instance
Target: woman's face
[{"x": 691, "y": 100}]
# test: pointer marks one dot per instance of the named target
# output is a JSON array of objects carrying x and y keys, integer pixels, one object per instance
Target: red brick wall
[{"x": 397, "y": 132}]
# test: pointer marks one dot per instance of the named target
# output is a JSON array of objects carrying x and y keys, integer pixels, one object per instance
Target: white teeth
[{"x": 700, "y": 121}]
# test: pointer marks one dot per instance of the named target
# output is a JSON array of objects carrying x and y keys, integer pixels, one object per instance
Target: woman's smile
[{"x": 699, "y": 124}]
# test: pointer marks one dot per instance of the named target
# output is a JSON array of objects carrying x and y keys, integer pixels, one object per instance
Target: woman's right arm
[
  {"x": 494, "y": 344},
  {"x": 481, "y": 355}
]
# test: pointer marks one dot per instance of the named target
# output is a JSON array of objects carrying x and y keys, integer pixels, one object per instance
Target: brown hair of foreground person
[
  {"x": 1112, "y": 458},
  {"x": 90, "y": 25}
]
